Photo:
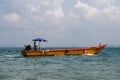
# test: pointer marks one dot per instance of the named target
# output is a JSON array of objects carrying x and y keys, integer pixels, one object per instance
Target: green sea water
[{"x": 104, "y": 66}]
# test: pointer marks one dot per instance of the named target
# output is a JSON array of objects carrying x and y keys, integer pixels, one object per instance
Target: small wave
[
  {"x": 13, "y": 56},
  {"x": 89, "y": 54}
]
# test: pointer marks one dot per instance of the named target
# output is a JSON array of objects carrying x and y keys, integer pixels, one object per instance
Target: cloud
[
  {"x": 103, "y": 2},
  {"x": 56, "y": 10},
  {"x": 56, "y": 13},
  {"x": 12, "y": 18},
  {"x": 33, "y": 8},
  {"x": 87, "y": 10},
  {"x": 61, "y": 21},
  {"x": 109, "y": 12},
  {"x": 59, "y": 12},
  {"x": 45, "y": 2},
  {"x": 113, "y": 12}
]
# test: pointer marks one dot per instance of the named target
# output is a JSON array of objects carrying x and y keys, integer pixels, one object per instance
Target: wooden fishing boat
[{"x": 64, "y": 51}]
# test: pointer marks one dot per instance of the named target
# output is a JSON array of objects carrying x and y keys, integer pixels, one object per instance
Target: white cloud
[
  {"x": 103, "y": 2},
  {"x": 74, "y": 16},
  {"x": 113, "y": 13},
  {"x": 81, "y": 5},
  {"x": 45, "y": 2},
  {"x": 33, "y": 8},
  {"x": 109, "y": 12},
  {"x": 58, "y": 13},
  {"x": 55, "y": 13},
  {"x": 88, "y": 11},
  {"x": 84, "y": 20},
  {"x": 12, "y": 18},
  {"x": 57, "y": 9},
  {"x": 58, "y": 2},
  {"x": 49, "y": 12}
]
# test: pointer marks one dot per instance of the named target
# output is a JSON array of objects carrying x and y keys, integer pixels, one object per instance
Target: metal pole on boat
[{"x": 39, "y": 45}]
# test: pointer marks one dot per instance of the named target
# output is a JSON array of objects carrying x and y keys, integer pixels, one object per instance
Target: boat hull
[{"x": 64, "y": 51}]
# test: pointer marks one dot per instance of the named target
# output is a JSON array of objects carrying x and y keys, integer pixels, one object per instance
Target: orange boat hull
[{"x": 65, "y": 51}]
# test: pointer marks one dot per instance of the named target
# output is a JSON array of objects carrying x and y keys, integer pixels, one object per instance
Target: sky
[{"x": 63, "y": 23}]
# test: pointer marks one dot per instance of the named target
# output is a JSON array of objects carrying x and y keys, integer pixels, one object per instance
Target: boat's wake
[
  {"x": 13, "y": 56},
  {"x": 89, "y": 54}
]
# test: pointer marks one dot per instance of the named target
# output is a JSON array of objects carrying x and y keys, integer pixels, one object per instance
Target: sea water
[{"x": 104, "y": 66}]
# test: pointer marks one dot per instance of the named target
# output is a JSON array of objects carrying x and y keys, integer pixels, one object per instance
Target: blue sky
[{"x": 61, "y": 22}]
